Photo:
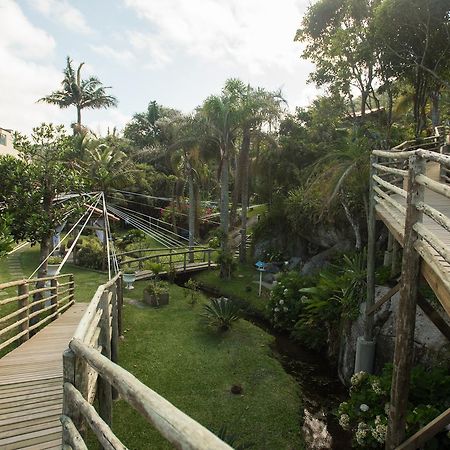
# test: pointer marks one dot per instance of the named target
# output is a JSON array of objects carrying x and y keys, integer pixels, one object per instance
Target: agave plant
[{"x": 221, "y": 313}]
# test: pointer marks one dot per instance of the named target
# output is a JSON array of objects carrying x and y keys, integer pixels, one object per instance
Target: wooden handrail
[
  {"x": 19, "y": 319},
  {"x": 178, "y": 428}
]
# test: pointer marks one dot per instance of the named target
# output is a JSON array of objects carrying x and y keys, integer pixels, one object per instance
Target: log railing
[
  {"x": 401, "y": 183},
  {"x": 91, "y": 366},
  {"x": 170, "y": 260},
  {"x": 28, "y": 308}
]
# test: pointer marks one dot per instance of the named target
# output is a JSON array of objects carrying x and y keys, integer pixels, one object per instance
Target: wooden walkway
[
  {"x": 438, "y": 275},
  {"x": 31, "y": 386}
]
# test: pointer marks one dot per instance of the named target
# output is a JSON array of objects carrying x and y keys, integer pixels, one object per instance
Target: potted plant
[
  {"x": 156, "y": 293},
  {"x": 129, "y": 277},
  {"x": 53, "y": 264}
]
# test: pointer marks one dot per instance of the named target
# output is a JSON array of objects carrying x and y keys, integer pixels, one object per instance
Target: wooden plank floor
[{"x": 31, "y": 386}]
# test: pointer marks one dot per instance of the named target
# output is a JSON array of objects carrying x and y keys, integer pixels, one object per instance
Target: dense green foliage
[{"x": 366, "y": 411}]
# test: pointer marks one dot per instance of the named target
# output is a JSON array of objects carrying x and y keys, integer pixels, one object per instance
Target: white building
[{"x": 6, "y": 143}]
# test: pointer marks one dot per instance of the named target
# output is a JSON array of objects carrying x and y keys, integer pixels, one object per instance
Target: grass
[
  {"x": 193, "y": 366},
  {"x": 173, "y": 352},
  {"x": 238, "y": 287}
]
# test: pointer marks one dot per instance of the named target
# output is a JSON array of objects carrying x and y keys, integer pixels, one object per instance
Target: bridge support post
[
  {"x": 69, "y": 369},
  {"x": 406, "y": 313},
  {"x": 119, "y": 304},
  {"x": 22, "y": 290},
  {"x": 115, "y": 332},
  {"x": 388, "y": 253},
  {"x": 54, "y": 300},
  {"x": 104, "y": 390}
]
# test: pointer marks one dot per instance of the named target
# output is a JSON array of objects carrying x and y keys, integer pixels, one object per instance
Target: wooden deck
[
  {"x": 437, "y": 275},
  {"x": 31, "y": 386}
]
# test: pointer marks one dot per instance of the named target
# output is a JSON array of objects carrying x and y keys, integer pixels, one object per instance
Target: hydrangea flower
[
  {"x": 281, "y": 302},
  {"x": 361, "y": 433},
  {"x": 357, "y": 378},
  {"x": 363, "y": 407},
  {"x": 344, "y": 421}
]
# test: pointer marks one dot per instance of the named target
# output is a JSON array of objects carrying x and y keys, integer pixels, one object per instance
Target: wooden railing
[
  {"x": 401, "y": 182},
  {"x": 90, "y": 366},
  {"x": 33, "y": 306},
  {"x": 170, "y": 260}
]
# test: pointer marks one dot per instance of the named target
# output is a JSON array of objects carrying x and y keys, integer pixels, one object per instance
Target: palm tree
[
  {"x": 82, "y": 93},
  {"x": 256, "y": 108},
  {"x": 221, "y": 115}
]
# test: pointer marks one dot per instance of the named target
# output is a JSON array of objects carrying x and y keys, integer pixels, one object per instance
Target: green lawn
[
  {"x": 194, "y": 367},
  {"x": 173, "y": 352},
  {"x": 238, "y": 287}
]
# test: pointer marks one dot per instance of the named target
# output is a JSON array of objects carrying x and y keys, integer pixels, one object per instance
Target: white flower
[
  {"x": 376, "y": 387},
  {"x": 285, "y": 291},
  {"x": 379, "y": 433},
  {"x": 281, "y": 302},
  {"x": 285, "y": 309},
  {"x": 361, "y": 433},
  {"x": 363, "y": 407},
  {"x": 357, "y": 378},
  {"x": 276, "y": 309},
  {"x": 344, "y": 421}
]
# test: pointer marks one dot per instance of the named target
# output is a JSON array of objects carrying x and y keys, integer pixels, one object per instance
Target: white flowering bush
[
  {"x": 366, "y": 412},
  {"x": 285, "y": 303}
]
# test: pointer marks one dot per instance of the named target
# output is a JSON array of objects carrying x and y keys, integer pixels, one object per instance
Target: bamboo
[{"x": 393, "y": 170}]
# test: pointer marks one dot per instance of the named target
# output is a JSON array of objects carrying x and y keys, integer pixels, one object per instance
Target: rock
[{"x": 317, "y": 262}]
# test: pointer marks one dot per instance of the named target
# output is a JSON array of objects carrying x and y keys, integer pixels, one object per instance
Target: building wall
[{"x": 6, "y": 143}]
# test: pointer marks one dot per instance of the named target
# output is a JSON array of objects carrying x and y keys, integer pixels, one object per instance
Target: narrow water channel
[{"x": 320, "y": 386}]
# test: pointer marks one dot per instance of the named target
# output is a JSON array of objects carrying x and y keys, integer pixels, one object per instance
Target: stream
[{"x": 320, "y": 386}]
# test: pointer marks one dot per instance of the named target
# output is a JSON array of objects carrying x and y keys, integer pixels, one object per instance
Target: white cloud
[
  {"x": 121, "y": 56},
  {"x": 253, "y": 34},
  {"x": 146, "y": 44},
  {"x": 62, "y": 11},
  {"x": 25, "y": 73}
]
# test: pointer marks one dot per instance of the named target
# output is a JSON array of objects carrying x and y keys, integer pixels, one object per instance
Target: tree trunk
[
  {"x": 435, "y": 113},
  {"x": 79, "y": 118},
  {"x": 224, "y": 214},
  {"x": 192, "y": 208},
  {"x": 244, "y": 162},
  {"x": 354, "y": 224}
]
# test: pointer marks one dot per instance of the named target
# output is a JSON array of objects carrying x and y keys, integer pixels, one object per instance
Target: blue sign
[{"x": 260, "y": 265}]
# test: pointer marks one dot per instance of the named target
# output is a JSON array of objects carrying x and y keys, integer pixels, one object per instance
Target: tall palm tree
[
  {"x": 86, "y": 93},
  {"x": 221, "y": 115},
  {"x": 256, "y": 108}
]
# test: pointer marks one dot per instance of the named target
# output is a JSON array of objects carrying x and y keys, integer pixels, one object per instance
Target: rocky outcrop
[{"x": 429, "y": 343}]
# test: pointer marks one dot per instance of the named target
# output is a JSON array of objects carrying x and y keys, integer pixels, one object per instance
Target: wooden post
[
  {"x": 209, "y": 257},
  {"x": 115, "y": 333},
  {"x": 104, "y": 390},
  {"x": 119, "y": 304},
  {"x": 406, "y": 313},
  {"x": 184, "y": 262},
  {"x": 54, "y": 291},
  {"x": 388, "y": 253},
  {"x": 71, "y": 287},
  {"x": 22, "y": 289},
  {"x": 395, "y": 269},
  {"x": 69, "y": 364}
]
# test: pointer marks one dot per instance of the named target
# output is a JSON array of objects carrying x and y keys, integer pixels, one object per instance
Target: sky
[{"x": 176, "y": 52}]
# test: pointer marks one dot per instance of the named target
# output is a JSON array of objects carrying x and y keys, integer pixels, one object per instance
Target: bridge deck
[
  {"x": 31, "y": 386},
  {"x": 438, "y": 275}
]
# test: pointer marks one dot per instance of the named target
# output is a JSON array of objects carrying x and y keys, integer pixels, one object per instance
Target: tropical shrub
[
  {"x": 157, "y": 288},
  {"x": 54, "y": 260},
  {"x": 365, "y": 413},
  {"x": 227, "y": 263},
  {"x": 191, "y": 291},
  {"x": 286, "y": 300},
  {"x": 90, "y": 254},
  {"x": 221, "y": 313}
]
